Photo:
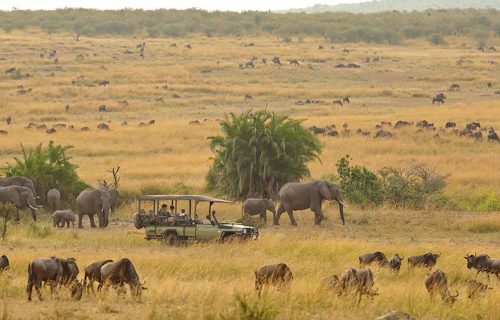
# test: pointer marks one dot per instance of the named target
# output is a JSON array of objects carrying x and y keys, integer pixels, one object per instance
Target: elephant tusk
[
  {"x": 342, "y": 203},
  {"x": 32, "y": 207}
]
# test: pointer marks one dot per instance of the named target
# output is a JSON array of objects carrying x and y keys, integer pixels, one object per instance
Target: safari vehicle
[{"x": 176, "y": 229}]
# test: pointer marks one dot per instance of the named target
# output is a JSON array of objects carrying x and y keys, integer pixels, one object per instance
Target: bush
[
  {"x": 48, "y": 168},
  {"x": 258, "y": 153},
  {"x": 358, "y": 184},
  {"x": 437, "y": 39}
]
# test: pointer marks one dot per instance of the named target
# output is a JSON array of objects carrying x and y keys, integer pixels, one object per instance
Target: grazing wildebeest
[
  {"x": 427, "y": 260},
  {"x": 437, "y": 282},
  {"x": 454, "y": 87},
  {"x": 66, "y": 108},
  {"x": 85, "y": 129},
  {"x": 103, "y": 83},
  {"x": 473, "y": 125},
  {"x": 401, "y": 123},
  {"x": 8, "y": 120},
  {"x": 332, "y": 133},
  {"x": 249, "y": 64},
  {"x": 317, "y": 130},
  {"x": 194, "y": 122},
  {"x": 476, "y": 288},
  {"x": 295, "y": 62},
  {"x": 10, "y": 70},
  {"x": 102, "y": 108},
  {"x": 440, "y": 95},
  {"x": 395, "y": 262},
  {"x": 476, "y": 135},
  {"x": 103, "y": 126},
  {"x": 490, "y": 85},
  {"x": 346, "y": 50},
  {"x": 151, "y": 122},
  {"x": 437, "y": 100},
  {"x": 52, "y": 270},
  {"x": 4, "y": 263},
  {"x": 264, "y": 60},
  {"x": 346, "y": 100},
  {"x": 483, "y": 263},
  {"x": 493, "y": 136},
  {"x": 383, "y": 134},
  {"x": 338, "y": 101},
  {"x": 450, "y": 125},
  {"x": 356, "y": 282},
  {"x": 50, "y": 131},
  {"x": 118, "y": 274},
  {"x": 377, "y": 258},
  {"x": 248, "y": 96},
  {"x": 278, "y": 275},
  {"x": 276, "y": 60},
  {"x": 93, "y": 273},
  {"x": 320, "y": 47}
]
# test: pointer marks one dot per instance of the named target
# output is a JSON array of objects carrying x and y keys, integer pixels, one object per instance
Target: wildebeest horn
[{"x": 32, "y": 207}]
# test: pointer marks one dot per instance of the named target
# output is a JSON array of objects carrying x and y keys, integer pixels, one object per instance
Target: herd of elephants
[{"x": 58, "y": 272}]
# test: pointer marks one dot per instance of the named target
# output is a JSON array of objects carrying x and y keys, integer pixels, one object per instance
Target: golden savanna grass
[{"x": 200, "y": 281}]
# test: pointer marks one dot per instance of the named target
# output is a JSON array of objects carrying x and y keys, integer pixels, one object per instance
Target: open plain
[{"x": 177, "y": 85}]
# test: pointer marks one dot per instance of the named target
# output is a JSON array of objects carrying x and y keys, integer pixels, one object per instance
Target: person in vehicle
[
  {"x": 207, "y": 220},
  {"x": 163, "y": 211},
  {"x": 183, "y": 214},
  {"x": 172, "y": 211}
]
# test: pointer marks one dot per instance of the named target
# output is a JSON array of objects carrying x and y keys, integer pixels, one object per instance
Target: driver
[{"x": 163, "y": 211}]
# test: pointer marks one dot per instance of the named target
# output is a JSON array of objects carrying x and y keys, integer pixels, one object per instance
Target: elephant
[
  {"x": 21, "y": 197},
  {"x": 301, "y": 196},
  {"x": 254, "y": 206},
  {"x": 92, "y": 201},
  {"x": 63, "y": 217},
  {"x": 18, "y": 181},
  {"x": 53, "y": 199}
]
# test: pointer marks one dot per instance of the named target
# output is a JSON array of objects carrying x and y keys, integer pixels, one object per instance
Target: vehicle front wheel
[{"x": 172, "y": 240}]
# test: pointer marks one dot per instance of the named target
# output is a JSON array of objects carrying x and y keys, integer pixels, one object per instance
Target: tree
[
  {"x": 258, "y": 152},
  {"x": 48, "y": 168}
]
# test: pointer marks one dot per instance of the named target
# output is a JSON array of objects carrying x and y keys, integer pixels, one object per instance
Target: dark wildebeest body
[
  {"x": 377, "y": 258},
  {"x": 346, "y": 100},
  {"x": 356, "y": 282},
  {"x": 454, "y": 87},
  {"x": 437, "y": 100},
  {"x": 276, "y": 60},
  {"x": 449, "y": 125},
  {"x": 483, "y": 263},
  {"x": 50, "y": 270},
  {"x": 118, "y": 274},
  {"x": 278, "y": 275},
  {"x": 4, "y": 263},
  {"x": 473, "y": 126},
  {"x": 102, "y": 108},
  {"x": 395, "y": 262},
  {"x": 476, "y": 288},
  {"x": 338, "y": 101},
  {"x": 93, "y": 273},
  {"x": 249, "y": 65},
  {"x": 383, "y": 134},
  {"x": 427, "y": 260},
  {"x": 493, "y": 136},
  {"x": 437, "y": 282},
  {"x": 295, "y": 62},
  {"x": 401, "y": 123}
]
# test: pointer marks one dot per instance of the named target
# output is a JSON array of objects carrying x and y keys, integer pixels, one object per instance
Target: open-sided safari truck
[{"x": 162, "y": 219}]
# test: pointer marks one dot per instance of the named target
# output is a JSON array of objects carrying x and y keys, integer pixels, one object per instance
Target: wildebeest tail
[{"x": 31, "y": 276}]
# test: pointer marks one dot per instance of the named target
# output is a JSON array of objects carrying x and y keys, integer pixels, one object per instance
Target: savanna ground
[{"x": 203, "y": 280}]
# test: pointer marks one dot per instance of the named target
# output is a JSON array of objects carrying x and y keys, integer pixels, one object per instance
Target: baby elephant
[
  {"x": 62, "y": 217},
  {"x": 278, "y": 275}
]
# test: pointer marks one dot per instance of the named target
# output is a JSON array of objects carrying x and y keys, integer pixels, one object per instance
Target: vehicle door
[{"x": 206, "y": 232}]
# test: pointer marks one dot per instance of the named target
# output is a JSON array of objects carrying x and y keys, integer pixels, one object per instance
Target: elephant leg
[
  {"x": 281, "y": 209},
  {"x": 67, "y": 223},
  {"x": 33, "y": 214},
  {"x": 16, "y": 216},
  {"x": 292, "y": 218},
  {"x": 318, "y": 216},
  {"x": 263, "y": 216},
  {"x": 92, "y": 223},
  {"x": 80, "y": 225}
]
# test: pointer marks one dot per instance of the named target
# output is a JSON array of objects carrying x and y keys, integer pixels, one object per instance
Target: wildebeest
[
  {"x": 395, "y": 262},
  {"x": 278, "y": 275},
  {"x": 476, "y": 288},
  {"x": 473, "y": 125},
  {"x": 264, "y": 60},
  {"x": 103, "y": 83},
  {"x": 93, "y": 273},
  {"x": 194, "y": 122},
  {"x": 276, "y": 60},
  {"x": 450, "y": 125},
  {"x": 489, "y": 84},
  {"x": 50, "y": 131},
  {"x": 85, "y": 129},
  {"x": 4, "y": 263},
  {"x": 377, "y": 258},
  {"x": 3, "y": 133},
  {"x": 346, "y": 100},
  {"x": 356, "y": 282},
  {"x": 401, "y": 123},
  {"x": 102, "y": 108},
  {"x": 383, "y": 134},
  {"x": 118, "y": 274},
  {"x": 249, "y": 64},
  {"x": 454, "y": 87},
  {"x": 66, "y": 108},
  {"x": 427, "y": 260},
  {"x": 8, "y": 120},
  {"x": 493, "y": 136},
  {"x": 483, "y": 263},
  {"x": 338, "y": 101},
  {"x": 437, "y": 100},
  {"x": 437, "y": 282},
  {"x": 317, "y": 130},
  {"x": 10, "y": 70},
  {"x": 52, "y": 270},
  {"x": 103, "y": 126},
  {"x": 295, "y": 62}
]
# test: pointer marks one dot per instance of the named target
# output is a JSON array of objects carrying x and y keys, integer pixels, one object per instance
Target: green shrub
[
  {"x": 437, "y": 39},
  {"x": 488, "y": 202},
  {"x": 484, "y": 227}
]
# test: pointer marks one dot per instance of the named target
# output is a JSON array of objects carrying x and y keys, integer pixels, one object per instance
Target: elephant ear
[{"x": 325, "y": 190}]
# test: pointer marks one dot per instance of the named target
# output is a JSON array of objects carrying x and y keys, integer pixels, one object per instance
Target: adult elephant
[
  {"x": 18, "y": 181},
  {"x": 92, "y": 201},
  {"x": 259, "y": 207},
  {"x": 301, "y": 196},
  {"x": 54, "y": 199},
  {"x": 21, "y": 198},
  {"x": 114, "y": 198}
]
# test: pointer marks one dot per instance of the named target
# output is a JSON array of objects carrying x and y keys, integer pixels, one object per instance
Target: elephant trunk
[{"x": 341, "y": 210}]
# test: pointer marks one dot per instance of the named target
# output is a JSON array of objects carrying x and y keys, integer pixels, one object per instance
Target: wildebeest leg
[
  {"x": 99, "y": 287},
  {"x": 292, "y": 219},
  {"x": 38, "y": 285},
  {"x": 92, "y": 223},
  {"x": 258, "y": 287},
  {"x": 281, "y": 209}
]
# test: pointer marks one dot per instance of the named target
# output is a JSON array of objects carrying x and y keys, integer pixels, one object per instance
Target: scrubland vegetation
[{"x": 177, "y": 85}]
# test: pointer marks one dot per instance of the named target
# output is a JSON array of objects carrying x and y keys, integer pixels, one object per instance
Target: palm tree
[{"x": 258, "y": 152}]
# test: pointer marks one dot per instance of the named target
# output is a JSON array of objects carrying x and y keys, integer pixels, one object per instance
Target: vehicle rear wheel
[{"x": 172, "y": 239}]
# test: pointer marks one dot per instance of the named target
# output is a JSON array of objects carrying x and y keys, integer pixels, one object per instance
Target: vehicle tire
[
  {"x": 172, "y": 239},
  {"x": 138, "y": 221}
]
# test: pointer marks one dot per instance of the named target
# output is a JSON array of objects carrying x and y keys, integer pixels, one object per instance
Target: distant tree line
[{"x": 384, "y": 27}]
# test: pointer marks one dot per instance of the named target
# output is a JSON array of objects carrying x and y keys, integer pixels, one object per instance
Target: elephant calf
[
  {"x": 63, "y": 217},
  {"x": 278, "y": 275},
  {"x": 259, "y": 207}
]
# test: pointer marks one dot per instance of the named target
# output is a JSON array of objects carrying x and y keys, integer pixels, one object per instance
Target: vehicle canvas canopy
[{"x": 173, "y": 200}]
